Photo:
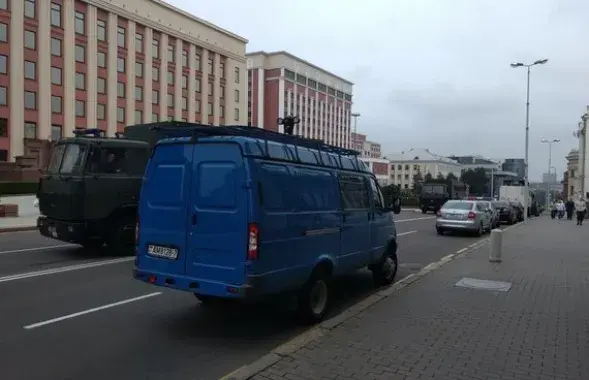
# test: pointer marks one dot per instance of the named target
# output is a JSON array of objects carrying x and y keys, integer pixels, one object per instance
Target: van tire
[
  {"x": 384, "y": 272},
  {"x": 314, "y": 297}
]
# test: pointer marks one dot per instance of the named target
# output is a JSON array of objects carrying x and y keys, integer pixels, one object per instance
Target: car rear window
[
  {"x": 501, "y": 204},
  {"x": 458, "y": 205}
]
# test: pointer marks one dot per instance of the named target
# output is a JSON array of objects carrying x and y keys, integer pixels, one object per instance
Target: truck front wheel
[{"x": 121, "y": 237}]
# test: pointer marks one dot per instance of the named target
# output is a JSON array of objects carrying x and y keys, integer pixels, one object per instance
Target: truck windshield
[
  {"x": 433, "y": 189},
  {"x": 73, "y": 159},
  {"x": 56, "y": 158}
]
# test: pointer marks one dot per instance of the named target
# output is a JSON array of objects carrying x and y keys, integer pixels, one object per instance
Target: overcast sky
[{"x": 435, "y": 74}]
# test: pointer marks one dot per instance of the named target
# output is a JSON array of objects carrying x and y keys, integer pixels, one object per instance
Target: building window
[
  {"x": 184, "y": 58},
  {"x": 222, "y": 92},
  {"x": 139, "y": 43},
  {"x": 30, "y": 100},
  {"x": 30, "y": 70},
  {"x": 3, "y": 96},
  {"x": 171, "y": 100},
  {"x": 120, "y": 89},
  {"x": 56, "y": 15},
  {"x": 171, "y": 53},
  {"x": 197, "y": 107},
  {"x": 80, "y": 23},
  {"x": 155, "y": 48},
  {"x": 121, "y": 36},
  {"x": 3, "y": 132},
  {"x": 211, "y": 68},
  {"x": 30, "y": 130},
  {"x": 101, "y": 85},
  {"x": 80, "y": 108},
  {"x": 221, "y": 111},
  {"x": 170, "y": 77},
  {"x": 222, "y": 69},
  {"x": 30, "y": 39},
  {"x": 197, "y": 63},
  {"x": 56, "y": 104},
  {"x": 184, "y": 103},
  {"x": 139, "y": 69},
  {"x": 3, "y": 5},
  {"x": 138, "y": 117},
  {"x": 80, "y": 81},
  {"x": 100, "y": 111},
  {"x": 197, "y": 85},
  {"x": 210, "y": 110},
  {"x": 121, "y": 65},
  {"x": 236, "y": 75},
  {"x": 138, "y": 94},
  {"x": 154, "y": 117},
  {"x": 155, "y": 97},
  {"x": 236, "y": 95},
  {"x": 210, "y": 88},
  {"x": 184, "y": 81},
  {"x": 3, "y": 32},
  {"x": 56, "y": 47},
  {"x": 3, "y": 64},
  {"x": 101, "y": 30},
  {"x": 120, "y": 115},
  {"x": 30, "y": 8},
  {"x": 56, "y": 76},
  {"x": 155, "y": 74},
  {"x": 236, "y": 114},
  {"x": 101, "y": 59},
  {"x": 56, "y": 132},
  {"x": 80, "y": 53}
]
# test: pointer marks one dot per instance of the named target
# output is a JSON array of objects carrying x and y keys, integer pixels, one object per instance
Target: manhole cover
[{"x": 475, "y": 283}]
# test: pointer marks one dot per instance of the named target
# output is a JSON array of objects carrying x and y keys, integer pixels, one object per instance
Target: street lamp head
[
  {"x": 356, "y": 114},
  {"x": 544, "y": 141},
  {"x": 540, "y": 61},
  {"x": 556, "y": 140},
  {"x": 518, "y": 64}
]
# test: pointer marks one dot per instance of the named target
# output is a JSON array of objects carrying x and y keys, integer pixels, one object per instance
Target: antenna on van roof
[
  {"x": 289, "y": 123},
  {"x": 88, "y": 132}
]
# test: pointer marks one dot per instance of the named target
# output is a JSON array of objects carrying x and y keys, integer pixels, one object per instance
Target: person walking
[
  {"x": 570, "y": 207},
  {"x": 581, "y": 208},
  {"x": 560, "y": 209}
]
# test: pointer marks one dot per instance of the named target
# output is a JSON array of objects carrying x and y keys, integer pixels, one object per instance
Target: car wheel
[
  {"x": 384, "y": 273},
  {"x": 314, "y": 297},
  {"x": 480, "y": 230},
  {"x": 440, "y": 231}
]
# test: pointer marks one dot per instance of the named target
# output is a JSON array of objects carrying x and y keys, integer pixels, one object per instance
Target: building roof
[
  {"x": 292, "y": 56},
  {"x": 419, "y": 155},
  {"x": 472, "y": 160}
]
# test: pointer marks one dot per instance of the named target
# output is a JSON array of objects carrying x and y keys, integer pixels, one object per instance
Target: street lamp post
[
  {"x": 355, "y": 115},
  {"x": 549, "y": 142},
  {"x": 526, "y": 182}
]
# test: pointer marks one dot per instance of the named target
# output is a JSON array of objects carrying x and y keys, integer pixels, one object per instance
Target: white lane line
[
  {"x": 93, "y": 310},
  {"x": 70, "y": 268},
  {"x": 447, "y": 257},
  {"x": 461, "y": 250},
  {"x": 37, "y": 248},
  {"x": 406, "y": 233},
  {"x": 413, "y": 219}
]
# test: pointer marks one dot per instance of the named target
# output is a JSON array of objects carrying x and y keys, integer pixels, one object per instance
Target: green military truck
[
  {"x": 434, "y": 194},
  {"x": 89, "y": 193}
]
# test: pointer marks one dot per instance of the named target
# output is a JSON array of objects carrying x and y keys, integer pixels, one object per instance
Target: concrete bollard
[{"x": 496, "y": 246}]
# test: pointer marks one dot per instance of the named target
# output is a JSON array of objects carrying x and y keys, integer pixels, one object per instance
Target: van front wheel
[
  {"x": 385, "y": 271},
  {"x": 314, "y": 298}
]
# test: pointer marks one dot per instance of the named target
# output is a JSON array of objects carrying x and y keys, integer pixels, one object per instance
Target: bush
[{"x": 18, "y": 188}]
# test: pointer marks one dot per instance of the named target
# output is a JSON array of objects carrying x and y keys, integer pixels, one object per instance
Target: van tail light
[
  {"x": 253, "y": 240},
  {"x": 472, "y": 215}
]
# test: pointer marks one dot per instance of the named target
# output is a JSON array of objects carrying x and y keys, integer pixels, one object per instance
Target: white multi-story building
[
  {"x": 405, "y": 165},
  {"x": 582, "y": 182},
  {"x": 381, "y": 168}
]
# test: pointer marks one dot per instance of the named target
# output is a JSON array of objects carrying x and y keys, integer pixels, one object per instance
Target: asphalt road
[{"x": 71, "y": 314}]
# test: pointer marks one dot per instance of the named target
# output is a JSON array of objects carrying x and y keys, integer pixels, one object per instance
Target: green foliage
[
  {"x": 18, "y": 188},
  {"x": 477, "y": 179}
]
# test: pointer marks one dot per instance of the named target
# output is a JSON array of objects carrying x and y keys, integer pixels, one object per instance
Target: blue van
[{"x": 240, "y": 212}]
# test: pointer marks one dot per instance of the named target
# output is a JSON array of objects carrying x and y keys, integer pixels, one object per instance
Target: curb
[
  {"x": 316, "y": 333},
  {"x": 17, "y": 229}
]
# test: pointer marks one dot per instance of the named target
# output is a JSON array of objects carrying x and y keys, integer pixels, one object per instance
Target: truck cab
[{"x": 88, "y": 194}]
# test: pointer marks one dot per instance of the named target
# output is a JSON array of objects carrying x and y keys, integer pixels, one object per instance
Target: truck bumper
[{"x": 71, "y": 232}]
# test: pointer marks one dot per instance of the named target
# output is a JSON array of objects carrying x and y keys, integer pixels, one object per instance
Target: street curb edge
[
  {"x": 316, "y": 333},
  {"x": 17, "y": 229}
]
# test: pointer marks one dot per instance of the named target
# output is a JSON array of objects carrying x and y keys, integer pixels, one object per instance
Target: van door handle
[{"x": 193, "y": 219}]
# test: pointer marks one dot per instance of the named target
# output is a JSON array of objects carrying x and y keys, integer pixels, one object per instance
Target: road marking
[
  {"x": 413, "y": 219},
  {"x": 37, "y": 248},
  {"x": 461, "y": 250},
  {"x": 406, "y": 233},
  {"x": 447, "y": 257},
  {"x": 70, "y": 268},
  {"x": 93, "y": 310}
]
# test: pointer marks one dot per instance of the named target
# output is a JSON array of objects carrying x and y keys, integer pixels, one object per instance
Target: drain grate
[{"x": 475, "y": 283}]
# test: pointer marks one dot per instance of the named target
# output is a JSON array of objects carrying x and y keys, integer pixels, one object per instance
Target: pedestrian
[
  {"x": 560, "y": 209},
  {"x": 553, "y": 210},
  {"x": 570, "y": 207},
  {"x": 581, "y": 208}
]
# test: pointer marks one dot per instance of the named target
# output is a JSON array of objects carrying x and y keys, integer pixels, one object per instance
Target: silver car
[{"x": 468, "y": 216}]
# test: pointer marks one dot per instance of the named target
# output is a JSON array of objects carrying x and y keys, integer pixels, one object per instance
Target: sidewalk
[
  {"x": 432, "y": 329},
  {"x": 28, "y": 214}
]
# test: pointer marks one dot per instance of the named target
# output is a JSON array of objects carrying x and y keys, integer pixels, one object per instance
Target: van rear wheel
[{"x": 314, "y": 297}]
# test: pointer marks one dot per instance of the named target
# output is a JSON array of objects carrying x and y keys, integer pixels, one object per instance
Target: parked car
[
  {"x": 519, "y": 210},
  {"x": 464, "y": 215},
  {"x": 507, "y": 214},
  {"x": 494, "y": 213},
  {"x": 239, "y": 213}
]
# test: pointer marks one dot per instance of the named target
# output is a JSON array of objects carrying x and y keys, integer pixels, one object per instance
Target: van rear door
[
  {"x": 218, "y": 220},
  {"x": 163, "y": 209}
]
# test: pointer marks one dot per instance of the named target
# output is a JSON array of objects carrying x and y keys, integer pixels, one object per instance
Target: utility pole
[
  {"x": 549, "y": 142},
  {"x": 355, "y": 115}
]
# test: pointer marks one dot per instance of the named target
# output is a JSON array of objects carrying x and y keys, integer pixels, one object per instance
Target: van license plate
[{"x": 165, "y": 252}]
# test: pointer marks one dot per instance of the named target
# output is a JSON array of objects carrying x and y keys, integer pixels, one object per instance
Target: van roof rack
[{"x": 186, "y": 129}]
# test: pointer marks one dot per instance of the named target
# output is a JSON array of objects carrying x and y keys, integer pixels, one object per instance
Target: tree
[
  {"x": 417, "y": 182},
  {"x": 428, "y": 177},
  {"x": 390, "y": 193},
  {"x": 441, "y": 177},
  {"x": 477, "y": 179}
]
